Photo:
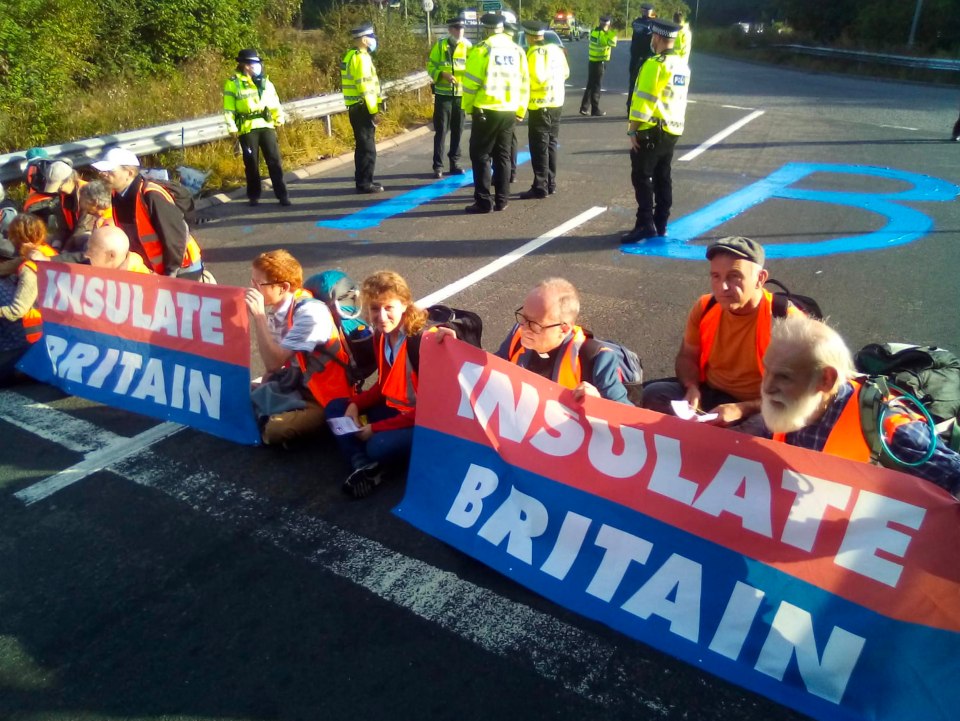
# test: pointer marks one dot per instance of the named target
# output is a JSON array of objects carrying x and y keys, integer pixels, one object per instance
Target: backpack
[
  {"x": 628, "y": 363},
  {"x": 342, "y": 297},
  {"x": 182, "y": 197},
  {"x": 928, "y": 374},
  {"x": 781, "y": 297},
  {"x": 467, "y": 324}
]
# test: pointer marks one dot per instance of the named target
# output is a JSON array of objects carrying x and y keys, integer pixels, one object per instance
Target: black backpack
[
  {"x": 930, "y": 375},
  {"x": 182, "y": 197},
  {"x": 467, "y": 324}
]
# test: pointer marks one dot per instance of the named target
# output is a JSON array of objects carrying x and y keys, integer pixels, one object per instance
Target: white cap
[
  {"x": 116, "y": 157},
  {"x": 57, "y": 175}
]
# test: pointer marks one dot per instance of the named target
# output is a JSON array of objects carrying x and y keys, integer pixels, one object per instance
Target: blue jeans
[{"x": 382, "y": 447}]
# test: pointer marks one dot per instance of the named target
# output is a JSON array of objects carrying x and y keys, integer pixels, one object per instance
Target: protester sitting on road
[
  {"x": 66, "y": 183},
  {"x": 546, "y": 340},
  {"x": 96, "y": 211},
  {"x": 151, "y": 219},
  {"x": 109, "y": 247},
  {"x": 719, "y": 365},
  {"x": 45, "y": 205},
  {"x": 27, "y": 233},
  {"x": 811, "y": 399},
  {"x": 389, "y": 406},
  {"x": 300, "y": 347}
]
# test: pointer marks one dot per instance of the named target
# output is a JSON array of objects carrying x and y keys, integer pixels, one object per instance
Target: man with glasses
[
  {"x": 546, "y": 340},
  {"x": 301, "y": 349}
]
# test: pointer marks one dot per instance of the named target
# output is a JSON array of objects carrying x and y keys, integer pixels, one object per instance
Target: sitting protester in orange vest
[
  {"x": 390, "y": 404},
  {"x": 300, "y": 346},
  {"x": 28, "y": 233},
  {"x": 109, "y": 247},
  {"x": 39, "y": 201},
  {"x": 547, "y": 341},
  {"x": 719, "y": 365},
  {"x": 148, "y": 215},
  {"x": 810, "y": 399},
  {"x": 95, "y": 211}
]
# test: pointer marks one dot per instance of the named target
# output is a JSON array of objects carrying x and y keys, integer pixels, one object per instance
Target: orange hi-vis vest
[
  {"x": 324, "y": 371},
  {"x": 72, "y": 217},
  {"x": 398, "y": 382},
  {"x": 32, "y": 321},
  {"x": 710, "y": 324},
  {"x": 846, "y": 437},
  {"x": 566, "y": 369},
  {"x": 33, "y": 198},
  {"x": 148, "y": 237}
]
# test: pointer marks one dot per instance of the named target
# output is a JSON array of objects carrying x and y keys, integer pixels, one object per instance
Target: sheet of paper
[
  {"x": 342, "y": 426},
  {"x": 682, "y": 409}
]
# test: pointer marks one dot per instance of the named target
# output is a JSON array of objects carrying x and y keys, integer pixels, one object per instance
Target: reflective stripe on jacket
[
  {"x": 324, "y": 369},
  {"x": 601, "y": 43},
  {"x": 710, "y": 324},
  {"x": 497, "y": 77},
  {"x": 398, "y": 382},
  {"x": 660, "y": 94},
  {"x": 150, "y": 240},
  {"x": 245, "y": 108},
  {"x": 549, "y": 70},
  {"x": 567, "y": 370},
  {"x": 441, "y": 60},
  {"x": 359, "y": 81}
]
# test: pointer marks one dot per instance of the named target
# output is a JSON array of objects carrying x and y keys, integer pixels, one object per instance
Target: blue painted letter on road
[{"x": 904, "y": 224}]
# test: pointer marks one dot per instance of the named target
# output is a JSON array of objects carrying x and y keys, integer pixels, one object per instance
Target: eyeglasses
[
  {"x": 266, "y": 283},
  {"x": 532, "y": 325}
]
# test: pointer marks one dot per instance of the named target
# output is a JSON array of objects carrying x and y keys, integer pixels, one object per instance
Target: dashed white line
[
  {"x": 899, "y": 127},
  {"x": 713, "y": 140}
]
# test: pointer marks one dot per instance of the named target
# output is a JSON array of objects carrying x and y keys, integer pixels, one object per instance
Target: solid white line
[
  {"x": 899, "y": 127},
  {"x": 96, "y": 461},
  {"x": 735, "y": 107},
  {"x": 53, "y": 425},
  {"x": 511, "y": 257},
  {"x": 705, "y": 145}
]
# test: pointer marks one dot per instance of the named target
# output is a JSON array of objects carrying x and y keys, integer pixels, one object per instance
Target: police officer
[
  {"x": 548, "y": 68},
  {"x": 446, "y": 65},
  {"x": 640, "y": 48},
  {"x": 657, "y": 113},
  {"x": 496, "y": 89},
  {"x": 602, "y": 41},
  {"x": 361, "y": 95},
  {"x": 684, "y": 39},
  {"x": 251, "y": 109}
]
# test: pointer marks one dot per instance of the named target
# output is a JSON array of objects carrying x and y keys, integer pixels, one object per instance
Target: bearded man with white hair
[{"x": 810, "y": 398}]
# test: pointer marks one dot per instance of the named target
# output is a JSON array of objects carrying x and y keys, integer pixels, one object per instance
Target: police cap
[
  {"x": 362, "y": 30},
  {"x": 456, "y": 23},
  {"x": 534, "y": 27},
  {"x": 646, "y": 6},
  {"x": 604, "y": 19},
  {"x": 737, "y": 246},
  {"x": 664, "y": 29},
  {"x": 491, "y": 20},
  {"x": 248, "y": 55}
]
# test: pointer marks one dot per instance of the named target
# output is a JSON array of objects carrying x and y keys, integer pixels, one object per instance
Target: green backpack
[{"x": 928, "y": 374}]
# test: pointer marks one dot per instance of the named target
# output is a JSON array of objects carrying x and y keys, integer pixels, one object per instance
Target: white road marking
[
  {"x": 53, "y": 425},
  {"x": 899, "y": 127},
  {"x": 511, "y": 257},
  {"x": 711, "y": 141},
  {"x": 735, "y": 107}
]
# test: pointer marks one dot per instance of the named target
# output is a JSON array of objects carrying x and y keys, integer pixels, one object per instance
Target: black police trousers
[
  {"x": 544, "y": 130},
  {"x": 252, "y": 143},
  {"x": 591, "y": 96},
  {"x": 365, "y": 150},
  {"x": 650, "y": 175},
  {"x": 490, "y": 139},
  {"x": 448, "y": 117}
]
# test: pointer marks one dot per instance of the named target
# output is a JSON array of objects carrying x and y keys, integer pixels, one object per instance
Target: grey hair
[
  {"x": 827, "y": 349},
  {"x": 97, "y": 194},
  {"x": 568, "y": 300}
]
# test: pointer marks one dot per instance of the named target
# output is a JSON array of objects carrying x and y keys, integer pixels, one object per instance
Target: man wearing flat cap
[
  {"x": 657, "y": 112},
  {"x": 362, "y": 96},
  {"x": 602, "y": 42},
  {"x": 496, "y": 89},
  {"x": 252, "y": 111},
  {"x": 720, "y": 363},
  {"x": 446, "y": 65},
  {"x": 549, "y": 71},
  {"x": 640, "y": 48}
]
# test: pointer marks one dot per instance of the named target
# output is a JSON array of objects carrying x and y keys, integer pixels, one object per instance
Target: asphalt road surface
[{"x": 195, "y": 579}]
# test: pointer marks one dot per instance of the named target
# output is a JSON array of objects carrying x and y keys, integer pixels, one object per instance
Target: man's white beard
[{"x": 792, "y": 415}]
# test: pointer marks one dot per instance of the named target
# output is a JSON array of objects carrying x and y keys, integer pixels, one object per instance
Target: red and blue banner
[
  {"x": 827, "y": 585},
  {"x": 172, "y": 349}
]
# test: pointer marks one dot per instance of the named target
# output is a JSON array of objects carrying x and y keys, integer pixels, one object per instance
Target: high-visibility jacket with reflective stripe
[
  {"x": 661, "y": 93},
  {"x": 684, "y": 42},
  {"x": 359, "y": 80},
  {"x": 245, "y": 108},
  {"x": 149, "y": 238},
  {"x": 324, "y": 369},
  {"x": 567, "y": 370},
  {"x": 548, "y": 69},
  {"x": 441, "y": 60},
  {"x": 601, "y": 43},
  {"x": 710, "y": 325},
  {"x": 497, "y": 77},
  {"x": 398, "y": 382},
  {"x": 32, "y": 321}
]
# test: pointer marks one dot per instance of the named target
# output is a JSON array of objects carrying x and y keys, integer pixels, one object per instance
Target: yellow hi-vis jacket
[
  {"x": 684, "y": 42},
  {"x": 601, "y": 43},
  {"x": 497, "y": 77},
  {"x": 359, "y": 81},
  {"x": 245, "y": 108},
  {"x": 548, "y": 70},
  {"x": 441, "y": 60},
  {"x": 660, "y": 95}
]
